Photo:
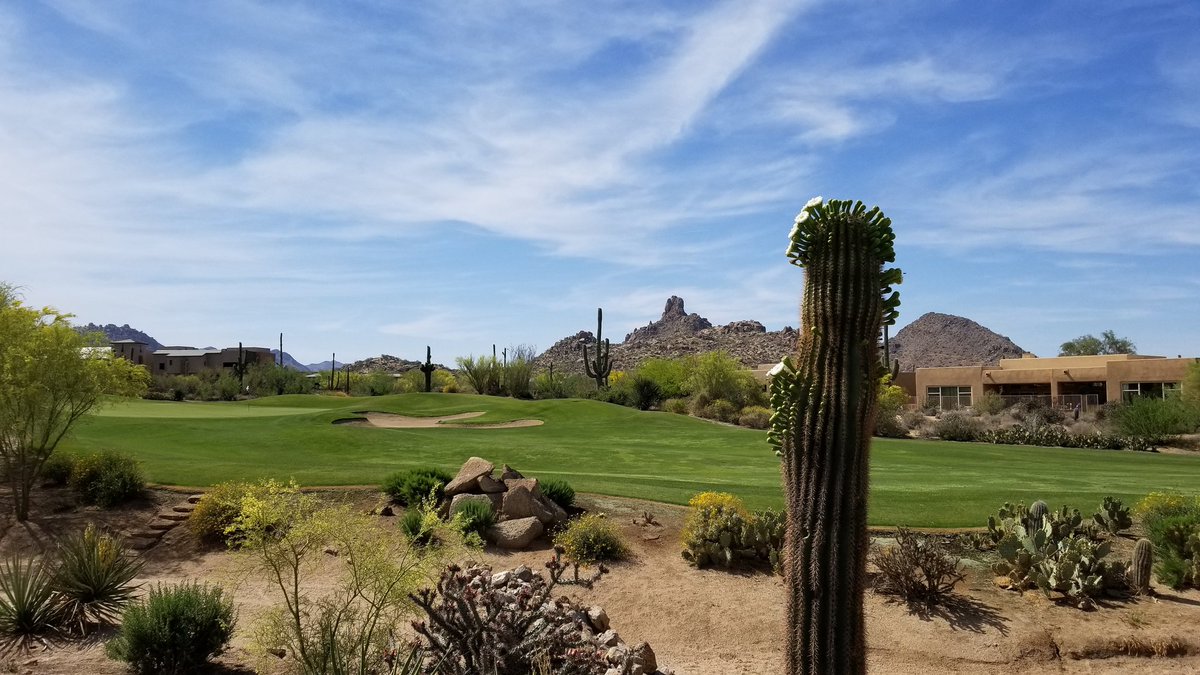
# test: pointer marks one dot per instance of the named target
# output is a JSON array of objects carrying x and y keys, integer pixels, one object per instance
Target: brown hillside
[{"x": 938, "y": 340}]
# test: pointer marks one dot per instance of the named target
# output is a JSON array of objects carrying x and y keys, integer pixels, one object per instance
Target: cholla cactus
[{"x": 824, "y": 408}]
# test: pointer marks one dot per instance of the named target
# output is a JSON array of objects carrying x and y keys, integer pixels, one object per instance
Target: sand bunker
[{"x": 390, "y": 421}]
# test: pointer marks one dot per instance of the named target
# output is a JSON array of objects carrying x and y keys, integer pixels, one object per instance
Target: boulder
[
  {"x": 598, "y": 618},
  {"x": 459, "y": 499},
  {"x": 490, "y": 485},
  {"x": 530, "y": 484},
  {"x": 468, "y": 476},
  {"x": 510, "y": 473},
  {"x": 541, "y": 511},
  {"x": 643, "y": 656},
  {"x": 608, "y": 638},
  {"x": 515, "y": 534},
  {"x": 520, "y": 502},
  {"x": 560, "y": 514},
  {"x": 497, "y": 500}
]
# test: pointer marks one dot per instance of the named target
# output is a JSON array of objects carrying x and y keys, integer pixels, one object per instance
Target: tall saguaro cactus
[
  {"x": 824, "y": 408},
  {"x": 427, "y": 368},
  {"x": 600, "y": 367}
]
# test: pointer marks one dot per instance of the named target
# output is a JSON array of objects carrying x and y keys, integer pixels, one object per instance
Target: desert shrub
[
  {"x": 216, "y": 510},
  {"x": 558, "y": 491},
  {"x": 644, "y": 393},
  {"x": 913, "y": 419},
  {"x": 719, "y": 376},
  {"x": 755, "y": 417},
  {"x": 1158, "y": 505},
  {"x": 1156, "y": 421},
  {"x": 107, "y": 479},
  {"x": 917, "y": 568},
  {"x": 175, "y": 630},
  {"x": 1176, "y": 540},
  {"x": 270, "y": 379},
  {"x": 671, "y": 375},
  {"x": 989, "y": 403},
  {"x": 57, "y": 468},
  {"x": 424, "y": 527},
  {"x": 958, "y": 426},
  {"x": 94, "y": 578},
  {"x": 720, "y": 410},
  {"x": 590, "y": 539},
  {"x": 412, "y": 525},
  {"x": 1053, "y": 435},
  {"x": 719, "y": 530},
  {"x": 410, "y": 486},
  {"x": 474, "y": 516},
  {"x": 518, "y": 371},
  {"x": 1035, "y": 412},
  {"x": 679, "y": 406},
  {"x": 484, "y": 374}
]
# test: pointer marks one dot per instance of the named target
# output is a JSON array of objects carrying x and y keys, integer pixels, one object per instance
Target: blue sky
[{"x": 371, "y": 177}]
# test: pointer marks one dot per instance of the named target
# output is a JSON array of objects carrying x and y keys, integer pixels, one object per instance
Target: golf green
[{"x": 600, "y": 448}]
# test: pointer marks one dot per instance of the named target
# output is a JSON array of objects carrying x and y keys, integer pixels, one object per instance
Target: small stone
[
  {"x": 501, "y": 578},
  {"x": 277, "y": 652},
  {"x": 598, "y": 618},
  {"x": 387, "y": 511},
  {"x": 608, "y": 638},
  {"x": 489, "y": 485},
  {"x": 329, "y": 550},
  {"x": 194, "y": 499},
  {"x": 523, "y": 573},
  {"x": 468, "y": 475},
  {"x": 510, "y": 473},
  {"x": 651, "y": 537}
]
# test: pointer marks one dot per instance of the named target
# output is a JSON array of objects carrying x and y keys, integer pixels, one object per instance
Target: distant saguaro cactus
[
  {"x": 600, "y": 367},
  {"x": 427, "y": 368},
  {"x": 824, "y": 408}
]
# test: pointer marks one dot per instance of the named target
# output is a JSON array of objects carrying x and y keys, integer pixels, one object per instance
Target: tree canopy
[
  {"x": 50, "y": 377},
  {"x": 1090, "y": 345}
]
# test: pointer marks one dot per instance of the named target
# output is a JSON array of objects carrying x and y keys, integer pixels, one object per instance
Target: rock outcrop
[
  {"x": 937, "y": 340},
  {"x": 523, "y": 513}
]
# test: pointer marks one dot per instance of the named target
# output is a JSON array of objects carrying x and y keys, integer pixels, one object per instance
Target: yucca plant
[
  {"x": 28, "y": 606},
  {"x": 94, "y": 578}
]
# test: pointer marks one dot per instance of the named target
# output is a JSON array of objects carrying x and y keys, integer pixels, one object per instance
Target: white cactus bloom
[
  {"x": 814, "y": 202},
  {"x": 779, "y": 368}
]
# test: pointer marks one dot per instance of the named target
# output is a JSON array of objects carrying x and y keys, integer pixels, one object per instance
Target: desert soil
[
  {"x": 393, "y": 421},
  {"x": 699, "y": 622}
]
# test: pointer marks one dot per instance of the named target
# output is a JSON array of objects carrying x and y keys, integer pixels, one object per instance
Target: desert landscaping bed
[{"x": 698, "y": 621}]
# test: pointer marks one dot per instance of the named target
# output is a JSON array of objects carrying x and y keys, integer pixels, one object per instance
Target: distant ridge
[
  {"x": 939, "y": 340},
  {"x": 290, "y": 362},
  {"x": 114, "y": 332}
]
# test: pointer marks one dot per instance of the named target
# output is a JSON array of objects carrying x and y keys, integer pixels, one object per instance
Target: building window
[
  {"x": 1132, "y": 390},
  {"x": 162, "y": 366},
  {"x": 948, "y": 398}
]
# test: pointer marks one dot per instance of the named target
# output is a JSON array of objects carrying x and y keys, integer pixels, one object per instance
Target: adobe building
[
  {"x": 185, "y": 360},
  {"x": 1087, "y": 381}
]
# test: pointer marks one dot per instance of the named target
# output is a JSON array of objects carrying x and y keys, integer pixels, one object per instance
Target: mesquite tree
[{"x": 824, "y": 411}]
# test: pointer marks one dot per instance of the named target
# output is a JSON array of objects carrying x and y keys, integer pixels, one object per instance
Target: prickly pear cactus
[
  {"x": 824, "y": 409},
  {"x": 1140, "y": 566},
  {"x": 1113, "y": 517}
]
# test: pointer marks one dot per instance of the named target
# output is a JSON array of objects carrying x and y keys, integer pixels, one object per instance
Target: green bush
[
  {"x": 411, "y": 524},
  {"x": 107, "y": 479},
  {"x": 176, "y": 630},
  {"x": 473, "y": 516},
  {"x": 1174, "y": 538},
  {"x": 719, "y": 376},
  {"x": 57, "y": 469},
  {"x": 720, "y": 531},
  {"x": 1053, "y": 435},
  {"x": 958, "y": 426},
  {"x": 216, "y": 510},
  {"x": 558, "y": 491},
  {"x": 94, "y": 578},
  {"x": 28, "y": 605},
  {"x": 671, "y": 375},
  {"x": 644, "y": 393},
  {"x": 1036, "y": 412},
  {"x": 590, "y": 539},
  {"x": 720, "y": 410},
  {"x": 411, "y": 486},
  {"x": 1158, "y": 505},
  {"x": 755, "y": 417},
  {"x": 1155, "y": 420}
]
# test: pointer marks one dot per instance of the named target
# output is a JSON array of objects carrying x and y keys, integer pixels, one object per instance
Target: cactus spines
[
  {"x": 599, "y": 367},
  {"x": 427, "y": 368},
  {"x": 1140, "y": 566},
  {"x": 1037, "y": 513},
  {"x": 824, "y": 407}
]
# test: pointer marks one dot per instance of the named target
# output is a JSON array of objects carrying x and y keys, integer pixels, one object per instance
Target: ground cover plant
[
  {"x": 175, "y": 630},
  {"x": 599, "y": 448}
]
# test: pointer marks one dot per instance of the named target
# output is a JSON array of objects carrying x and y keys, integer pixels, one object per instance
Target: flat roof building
[{"x": 1067, "y": 381}]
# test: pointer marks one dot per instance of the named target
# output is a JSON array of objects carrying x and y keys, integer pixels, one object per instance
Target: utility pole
[
  {"x": 281, "y": 350},
  {"x": 332, "y": 370}
]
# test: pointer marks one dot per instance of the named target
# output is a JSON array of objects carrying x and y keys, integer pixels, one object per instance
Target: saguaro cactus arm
[
  {"x": 824, "y": 407},
  {"x": 427, "y": 369},
  {"x": 600, "y": 367}
]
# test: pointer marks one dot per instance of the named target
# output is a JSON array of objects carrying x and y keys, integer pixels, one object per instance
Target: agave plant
[
  {"x": 28, "y": 603},
  {"x": 94, "y": 578}
]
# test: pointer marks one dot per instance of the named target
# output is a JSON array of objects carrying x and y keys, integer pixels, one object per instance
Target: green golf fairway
[{"x": 600, "y": 448}]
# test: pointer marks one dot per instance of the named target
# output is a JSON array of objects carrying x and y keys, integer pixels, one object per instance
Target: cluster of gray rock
[
  {"x": 594, "y": 626},
  {"x": 523, "y": 513}
]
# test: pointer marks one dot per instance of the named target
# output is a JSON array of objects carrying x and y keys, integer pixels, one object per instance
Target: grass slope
[{"x": 601, "y": 448}]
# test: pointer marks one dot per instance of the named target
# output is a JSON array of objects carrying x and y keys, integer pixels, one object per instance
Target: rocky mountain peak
[
  {"x": 937, "y": 340},
  {"x": 675, "y": 321}
]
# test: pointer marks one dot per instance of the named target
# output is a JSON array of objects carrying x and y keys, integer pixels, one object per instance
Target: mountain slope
[
  {"x": 938, "y": 340},
  {"x": 114, "y": 332}
]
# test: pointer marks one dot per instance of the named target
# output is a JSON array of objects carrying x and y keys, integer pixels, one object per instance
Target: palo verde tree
[
  {"x": 50, "y": 377},
  {"x": 824, "y": 400}
]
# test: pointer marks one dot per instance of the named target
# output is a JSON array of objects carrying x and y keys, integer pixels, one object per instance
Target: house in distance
[{"x": 187, "y": 360}]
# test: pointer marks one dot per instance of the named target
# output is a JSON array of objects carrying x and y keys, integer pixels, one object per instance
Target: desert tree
[
  {"x": 1090, "y": 345},
  {"x": 50, "y": 378}
]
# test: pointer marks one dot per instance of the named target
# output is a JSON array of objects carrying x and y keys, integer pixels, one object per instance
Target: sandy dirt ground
[
  {"x": 391, "y": 421},
  {"x": 697, "y": 621}
]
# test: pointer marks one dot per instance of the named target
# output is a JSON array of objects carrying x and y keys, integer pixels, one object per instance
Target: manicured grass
[{"x": 602, "y": 448}]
